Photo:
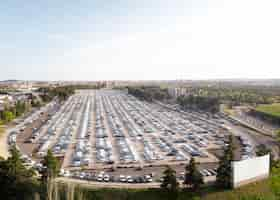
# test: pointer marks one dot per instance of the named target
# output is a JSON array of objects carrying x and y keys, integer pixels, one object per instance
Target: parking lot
[
  {"x": 108, "y": 134},
  {"x": 97, "y": 129}
]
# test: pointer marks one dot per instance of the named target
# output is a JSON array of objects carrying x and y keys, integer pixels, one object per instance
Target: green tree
[
  {"x": 35, "y": 103},
  {"x": 49, "y": 172},
  {"x": 277, "y": 134},
  {"x": 275, "y": 179},
  {"x": 51, "y": 166},
  {"x": 61, "y": 93},
  {"x": 193, "y": 179},
  {"x": 207, "y": 103},
  {"x": 224, "y": 172},
  {"x": 16, "y": 181},
  {"x": 263, "y": 150},
  {"x": 170, "y": 183},
  {"x": 8, "y": 116},
  {"x": 20, "y": 108}
]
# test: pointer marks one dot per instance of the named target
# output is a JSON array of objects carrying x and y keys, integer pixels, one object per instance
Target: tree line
[
  {"x": 149, "y": 93},
  {"x": 12, "y": 111},
  {"x": 238, "y": 95},
  {"x": 47, "y": 94},
  {"x": 211, "y": 104},
  {"x": 96, "y": 86},
  {"x": 20, "y": 182}
]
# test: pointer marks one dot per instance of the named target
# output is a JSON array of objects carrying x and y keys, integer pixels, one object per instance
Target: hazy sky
[{"x": 139, "y": 39}]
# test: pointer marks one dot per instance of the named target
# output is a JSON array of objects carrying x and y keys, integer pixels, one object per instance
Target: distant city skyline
[{"x": 139, "y": 40}]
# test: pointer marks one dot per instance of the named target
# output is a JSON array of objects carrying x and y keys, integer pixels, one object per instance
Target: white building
[{"x": 250, "y": 170}]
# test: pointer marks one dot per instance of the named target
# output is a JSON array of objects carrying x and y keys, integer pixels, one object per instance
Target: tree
[
  {"x": 275, "y": 179},
  {"x": 170, "y": 183},
  {"x": 35, "y": 103},
  {"x": 16, "y": 166},
  {"x": 8, "y": 116},
  {"x": 16, "y": 181},
  {"x": 263, "y": 150},
  {"x": 277, "y": 134},
  {"x": 20, "y": 108},
  {"x": 61, "y": 93},
  {"x": 224, "y": 172},
  {"x": 207, "y": 103},
  {"x": 14, "y": 162},
  {"x": 51, "y": 166},
  {"x": 193, "y": 179},
  {"x": 49, "y": 172}
]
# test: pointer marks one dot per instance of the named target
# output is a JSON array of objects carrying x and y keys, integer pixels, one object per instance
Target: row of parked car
[
  {"x": 105, "y": 177},
  {"x": 54, "y": 134},
  {"x": 171, "y": 127},
  {"x": 126, "y": 152},
  {"x": 83, "y": 149},
  {"x": 247, "y": 150},
  {"x": 145, "y": 178},
  {"x": 103, "y": 146}
]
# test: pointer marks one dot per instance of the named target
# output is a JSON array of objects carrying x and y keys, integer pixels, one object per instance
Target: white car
[
  {"x": 82, "y": 175},
  {"x": 106, "y": 178},
  {"x": 67, "y": 173},
  {"x": 148, "y": 178},
  {"x": 129, "y": 179},
  {"x": 100, "y": 177},
  {"x": 77, "y": 163},
  {"x": 122, "y": 178}
]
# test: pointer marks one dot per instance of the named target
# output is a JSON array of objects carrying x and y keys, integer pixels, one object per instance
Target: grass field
[
  {"x": 256, "y": 191},
  {"x": 271, "y": 109}
]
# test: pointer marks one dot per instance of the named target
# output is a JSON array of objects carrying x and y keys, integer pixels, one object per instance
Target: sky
[{"x": 139, "y": 39}]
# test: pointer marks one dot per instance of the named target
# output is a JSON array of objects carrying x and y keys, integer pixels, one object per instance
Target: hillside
[{"x": 259, "y": 190}]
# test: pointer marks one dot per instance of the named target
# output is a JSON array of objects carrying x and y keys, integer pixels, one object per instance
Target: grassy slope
[
  {"x": 272, "y": 109},
  {"x": 129, "y": 194},
  {"x": 259, "y": 189}
]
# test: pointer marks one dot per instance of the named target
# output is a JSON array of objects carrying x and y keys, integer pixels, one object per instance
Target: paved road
[
  {"x": 92, "y": 184},
  {"x": 258, "y": 136},
  {"x": 262, "y": 131},
  {"x": 4, "y": 147}
]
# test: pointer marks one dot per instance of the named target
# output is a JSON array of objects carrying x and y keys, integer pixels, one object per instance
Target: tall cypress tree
[
  {"x": 193, "y": 179},
  {"x": 224, "y": 172},
  {"x": 16, "y": 181},
  {"x": 49, "y": 172},
  {"x": 170, "y": 183}
]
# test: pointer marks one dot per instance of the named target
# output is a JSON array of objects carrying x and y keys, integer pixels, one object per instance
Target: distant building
[
  {"x": 17, "y": 85},
  {"x": 178, "y": 91},
  {"x": 25, "y": 86}
]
